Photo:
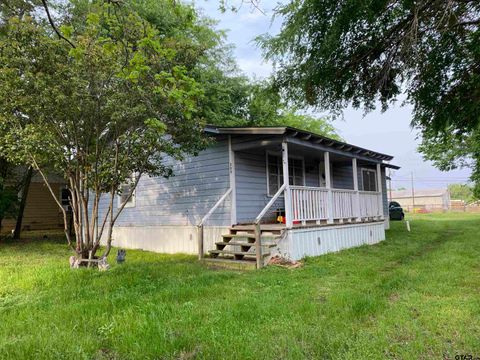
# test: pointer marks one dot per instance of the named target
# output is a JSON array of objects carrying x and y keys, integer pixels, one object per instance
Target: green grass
[{"x": 416, "y": 295}]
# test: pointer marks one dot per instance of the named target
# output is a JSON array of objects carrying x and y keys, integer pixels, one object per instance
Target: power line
[{"x": 429, "y": 178}]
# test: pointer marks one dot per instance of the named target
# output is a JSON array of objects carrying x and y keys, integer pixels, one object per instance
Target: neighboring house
[
  {"x": 329, "y": 194},
  {"x": 425, "y": 199},
  {"x": 41, "y": 210}
]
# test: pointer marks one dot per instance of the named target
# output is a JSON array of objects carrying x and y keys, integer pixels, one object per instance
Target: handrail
[
  {"x": 344, "y": 190},
  {"x": 258, "y": 231},
  {"x": 269, "y": 204},
  {"x": 205, "y": 218},
  {"x": 217, "y": 204},
  {"x": 298, "y": 187}
]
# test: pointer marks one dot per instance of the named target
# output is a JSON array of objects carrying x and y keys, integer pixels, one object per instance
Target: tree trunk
[
  {"x": 3, "y": 175},
  {"x": 23, "y": 203}
]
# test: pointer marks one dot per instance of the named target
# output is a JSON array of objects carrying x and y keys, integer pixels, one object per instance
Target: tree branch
[{"x": 52, "y": 24}]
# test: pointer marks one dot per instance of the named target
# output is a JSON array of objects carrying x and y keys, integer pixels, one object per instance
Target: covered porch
[
  {"x": 295, "y": 194},
  {"x": 288, "y": 182}
]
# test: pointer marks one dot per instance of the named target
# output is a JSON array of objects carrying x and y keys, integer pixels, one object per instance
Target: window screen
[{"x": 369, "y": 178}]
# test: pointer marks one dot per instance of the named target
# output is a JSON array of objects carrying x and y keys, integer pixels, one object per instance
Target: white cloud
[{"x": 255, "y": 67}]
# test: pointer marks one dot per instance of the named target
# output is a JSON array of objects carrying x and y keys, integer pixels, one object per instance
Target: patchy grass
[{"x": 416, "y": 295}]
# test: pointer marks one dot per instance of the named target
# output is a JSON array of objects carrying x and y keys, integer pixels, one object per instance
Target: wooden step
[
  {"x": 241, "y": 243},
  {"x": 263, "y": 227},
  {"x": 249, "y": 236},
  {"x": 231, "y": 252},
  {"x": 225, "y": 263},
  {"x": 250, "y": 239}
]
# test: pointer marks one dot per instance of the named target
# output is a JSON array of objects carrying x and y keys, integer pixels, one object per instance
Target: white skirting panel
[
  {"x": 166, "y": 239},
  {"x": 315, "y": 241},
  {"x": 387, "y": 223}
]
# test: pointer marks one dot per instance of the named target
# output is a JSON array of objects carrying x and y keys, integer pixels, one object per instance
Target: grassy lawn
[{"x": 416, "y": 295}]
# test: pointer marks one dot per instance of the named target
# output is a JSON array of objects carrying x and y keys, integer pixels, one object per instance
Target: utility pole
[
  {"x": 413, "y": 194},
  {"x": 390, "y": 176}
]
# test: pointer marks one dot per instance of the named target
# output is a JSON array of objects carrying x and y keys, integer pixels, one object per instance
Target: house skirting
[
  {"x": 313, "y": 241},
  {"x": 169, "y": 239}
]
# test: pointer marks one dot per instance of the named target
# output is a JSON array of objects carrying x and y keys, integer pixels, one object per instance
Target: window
[
  {"x": 296, "y": 172},
  {"x": 65, "y": 197},
  {"x": 124, "y": 192},
  {"x": 369, "y": 180}
]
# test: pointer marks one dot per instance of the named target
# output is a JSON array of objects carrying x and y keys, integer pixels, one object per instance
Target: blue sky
[{"x": 388, "y": 132}]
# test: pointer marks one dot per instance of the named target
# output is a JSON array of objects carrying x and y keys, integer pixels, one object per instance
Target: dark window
[
  {"x": 296, "y": 173},
  {"x": 65, "y": 197},
  {"x": 369, "y": 178}
]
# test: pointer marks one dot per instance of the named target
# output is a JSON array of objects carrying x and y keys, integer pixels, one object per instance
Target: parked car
[{"x": 395, "y": 211}]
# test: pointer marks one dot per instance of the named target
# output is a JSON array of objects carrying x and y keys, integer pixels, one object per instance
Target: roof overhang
[
  {"x": 391, "y": 166},
  {"x": 304, "y": 136}
]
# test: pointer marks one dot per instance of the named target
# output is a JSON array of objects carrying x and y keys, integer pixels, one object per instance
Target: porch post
[
  {"x": 233, "y": 195},
  {"x": 357, "y": 211},
  {"x": 380, "y": 190},
  {"x": 328, "y": 186},
  {"x": 287, "y": 198}
]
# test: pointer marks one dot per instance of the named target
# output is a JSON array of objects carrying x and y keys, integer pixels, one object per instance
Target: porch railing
[
  {"x": 344, "y": 204},
  {"x": 311, "y": 204},
  {"x": 370, "y": 204}
]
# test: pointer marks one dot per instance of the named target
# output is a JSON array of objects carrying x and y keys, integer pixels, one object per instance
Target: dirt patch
[
  {"x": 282, "y": 262},
  {"x": 394, "y": 297}
]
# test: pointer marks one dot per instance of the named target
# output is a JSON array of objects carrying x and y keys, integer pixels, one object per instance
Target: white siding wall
[
  {"x": 168, "y": 239},
  {"x": 315, "y": 241}
]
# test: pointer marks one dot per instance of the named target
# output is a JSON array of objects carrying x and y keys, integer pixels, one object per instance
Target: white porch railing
[
  {"x": 370, "y": 204},
  {"x": 311, "y": 204},
  {"x": 344, "y": 204}
]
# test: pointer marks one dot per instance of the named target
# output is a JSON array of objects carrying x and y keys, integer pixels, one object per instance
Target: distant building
[
  {"x": 424, "y": 199},
  {"x": 41, "y": 210}
]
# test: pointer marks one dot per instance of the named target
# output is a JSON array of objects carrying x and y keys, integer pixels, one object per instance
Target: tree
[
  {"x": 105, "y": 91},
  {"x": 101, "y": 109},
  {"x": 452, "y": 150},
  {"x": 462, "y": 192},
  {"x": 333, "y": 53},
  {"x": 8, "y": 196},
  {"x": 242, "y": 102}
]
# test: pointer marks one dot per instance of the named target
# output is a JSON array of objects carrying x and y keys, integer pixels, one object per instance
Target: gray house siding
[
  {"x": 184, "y": 198},
  {"x": 251, "y": 184},
  {"x": 198, "y": 183},
  {"x": 312, "y": 173}
]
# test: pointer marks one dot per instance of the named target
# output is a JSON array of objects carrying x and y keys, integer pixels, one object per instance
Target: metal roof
[{"x": 304, "y": 135}]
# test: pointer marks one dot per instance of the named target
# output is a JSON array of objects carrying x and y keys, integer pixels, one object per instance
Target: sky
[{"x": 387, "y": 132}]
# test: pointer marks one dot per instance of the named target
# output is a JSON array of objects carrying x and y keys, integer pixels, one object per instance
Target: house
[
  {"x": 422, "y": 200},
  {"x": 260, "y": 191},
  {"x": 41, "y": 210}
]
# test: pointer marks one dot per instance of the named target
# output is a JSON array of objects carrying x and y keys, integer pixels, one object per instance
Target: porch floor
[{"x": 280, "y": 226}]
